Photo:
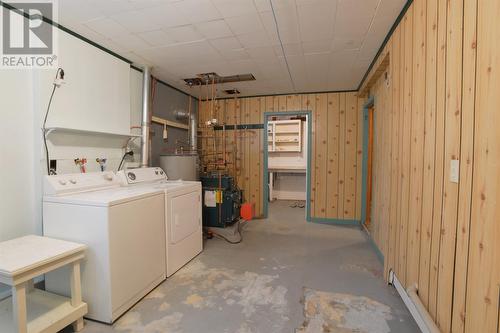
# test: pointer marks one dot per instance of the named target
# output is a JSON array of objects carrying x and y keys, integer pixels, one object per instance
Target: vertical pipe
[
  {"x": 194, "y": 132},
  {"x": 146, "y": 116}
]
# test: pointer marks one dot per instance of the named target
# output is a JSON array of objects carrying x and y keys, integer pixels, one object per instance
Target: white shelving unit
[
  {"x": 284, "y": 135},
  {"x": 66, "y": 130}
]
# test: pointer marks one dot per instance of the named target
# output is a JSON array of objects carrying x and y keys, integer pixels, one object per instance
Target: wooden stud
[
  {"x": 417, "y": 141},
  {"x": 483, "y": 291},
  {"x": 429, "y": 151},
  {"x": 321, "y": 151},
  {"x": 332, "y": 194},
  {"x": 351, "y": 134},
  {"x": 341, "y": 179}
]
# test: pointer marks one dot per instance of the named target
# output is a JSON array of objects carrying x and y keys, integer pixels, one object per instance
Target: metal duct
[
  {"x": 193, "y": 128},
  {"x": 146, "y": 116}
]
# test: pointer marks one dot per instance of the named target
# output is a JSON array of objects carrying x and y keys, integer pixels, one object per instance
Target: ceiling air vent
[{"x": 209, "y": 78}]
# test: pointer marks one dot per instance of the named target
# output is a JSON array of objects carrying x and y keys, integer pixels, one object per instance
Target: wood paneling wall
[
  {"x": 438, "y": 103},
  {"x": 336, "y": 140}
]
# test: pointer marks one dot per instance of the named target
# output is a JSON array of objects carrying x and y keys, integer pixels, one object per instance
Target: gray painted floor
[{"x": 286, "y": 276}]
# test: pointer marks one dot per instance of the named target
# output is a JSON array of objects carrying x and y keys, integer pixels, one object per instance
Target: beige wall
[
  {"x": 336, "y": 141},
  {"x": 440, "y": 103}
]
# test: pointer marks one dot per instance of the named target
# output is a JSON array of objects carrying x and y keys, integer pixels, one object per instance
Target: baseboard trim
[
  {"x": 423, "y": 320},
  {"x": 335, "y": 221}
]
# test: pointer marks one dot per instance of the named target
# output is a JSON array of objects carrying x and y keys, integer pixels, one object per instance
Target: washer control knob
[
  {"x": 131, "y": 176},
  {"x": 161, "y": 172},
  {"x": 62, "y": 182},
  {"x": 72, "y": 181}
]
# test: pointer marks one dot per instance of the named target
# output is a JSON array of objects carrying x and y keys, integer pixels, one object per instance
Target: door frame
[
  {"x": 265, "y": 172},
  {"x": 370, "y": 103}
]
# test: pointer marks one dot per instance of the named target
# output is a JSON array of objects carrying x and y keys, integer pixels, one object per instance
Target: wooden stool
[{"x": 33, "y": 310}]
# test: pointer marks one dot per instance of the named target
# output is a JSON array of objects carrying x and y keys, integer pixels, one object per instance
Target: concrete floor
[{"x": 286, "y": 276}]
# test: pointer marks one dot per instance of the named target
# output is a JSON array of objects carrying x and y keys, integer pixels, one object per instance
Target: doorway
[{"x": 287, "y": 149}]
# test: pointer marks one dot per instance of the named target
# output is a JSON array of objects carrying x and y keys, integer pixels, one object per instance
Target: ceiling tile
[
  {"x": 341, "y": 44},
  {"x": 244, "y": 24},
  {"x": 254, "y": 39},
  {"x": 71, "y": 11},
  {"x": 214, "y": 29},
  {"x": 107, "y": 27},
  {"x": 156, "y": 38},
  {"x": 183, "y": 34},
  {"x": 197, "y": 11},
  {"x": 329, "y": 43},
  {"x": 317, "y": 46},
  {"x": 151, "y": 18},
  {"x": 316, "y": 21},
  {"x": 291, "y": 49},
  {"x": 262, "y": 5},
  {"x": 224, "y": 44},
  {"x": 261, "y": 53},
  {"x": 235, "y": 54},
  {"x": 131, "y": 42},
  {"x": 358, "y": 8},
  {"x": 106, "y": 7},
  {"x": 231, "y": 8}
]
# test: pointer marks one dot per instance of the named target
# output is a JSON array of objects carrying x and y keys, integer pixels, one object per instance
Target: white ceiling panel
[
  {"x": 328, "y": 44},
  {"x": 131, "y": 43},
  {"x": 226, "y": 44},
  {"x": 231, "y": 8},
  {"x": 197, "y": 11},
  {"x": 244, "y": 24},
  {"x": 317, "y": 46},
  {"x": 184, "y": 34},
  {"x": 107, "y": 27},
  {"x": 156, "y": 38},
  {"x": 214, "y": 29},
  {"x": 255, "y": 39}
]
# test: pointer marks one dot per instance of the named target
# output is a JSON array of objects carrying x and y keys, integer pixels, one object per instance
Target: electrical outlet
[
  {"x": 454, "y": 171},
  {"x": 53, "y": 165}
]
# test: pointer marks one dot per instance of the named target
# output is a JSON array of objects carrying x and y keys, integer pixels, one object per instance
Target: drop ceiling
[{"x": 316, "y": 45}]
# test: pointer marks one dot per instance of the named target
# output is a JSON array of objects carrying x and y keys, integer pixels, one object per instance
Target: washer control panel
[
  {"x": 141, "y": 175},
  {"x": 79, "y": 182}
]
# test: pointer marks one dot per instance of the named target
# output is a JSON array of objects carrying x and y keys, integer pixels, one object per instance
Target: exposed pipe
[
  {"x": 193, "y": 127},
  {"x": 146, "y": 116}
]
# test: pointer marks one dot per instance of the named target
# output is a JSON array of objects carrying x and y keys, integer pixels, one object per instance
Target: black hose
[{"x": 131, "y": 153}]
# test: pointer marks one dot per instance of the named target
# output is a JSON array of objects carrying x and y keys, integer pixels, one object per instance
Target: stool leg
[
  {"x": 19, "y": 307},
  {"x": 76, "y": 293}
]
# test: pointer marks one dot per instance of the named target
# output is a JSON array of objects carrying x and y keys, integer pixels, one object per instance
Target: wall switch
[{"x": 454, "y": 171}]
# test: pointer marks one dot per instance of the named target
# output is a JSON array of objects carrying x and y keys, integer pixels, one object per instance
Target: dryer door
[{"x": 183, "y": 216}]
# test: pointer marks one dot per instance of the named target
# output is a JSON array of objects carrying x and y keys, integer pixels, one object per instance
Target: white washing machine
[
  {"x": 183, "y": 224},
  {"x": 123, "y": 229}
]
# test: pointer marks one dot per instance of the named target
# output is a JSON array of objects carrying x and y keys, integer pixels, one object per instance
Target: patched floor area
[{"x": 286, "y": 276}]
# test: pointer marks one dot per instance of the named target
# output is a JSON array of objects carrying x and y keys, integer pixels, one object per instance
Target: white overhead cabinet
[{"x": 284, "y": 135}]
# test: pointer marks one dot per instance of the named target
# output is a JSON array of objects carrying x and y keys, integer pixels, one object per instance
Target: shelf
[
  {"x": 287, "y": 132},
  {"x": 67, "y": 130},
  {"x": 46, "y": 312},
  {"x": 287, "y": 141}
]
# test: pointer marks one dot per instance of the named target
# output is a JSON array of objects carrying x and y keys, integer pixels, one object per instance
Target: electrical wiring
[{"x": 60, "y": 72}]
